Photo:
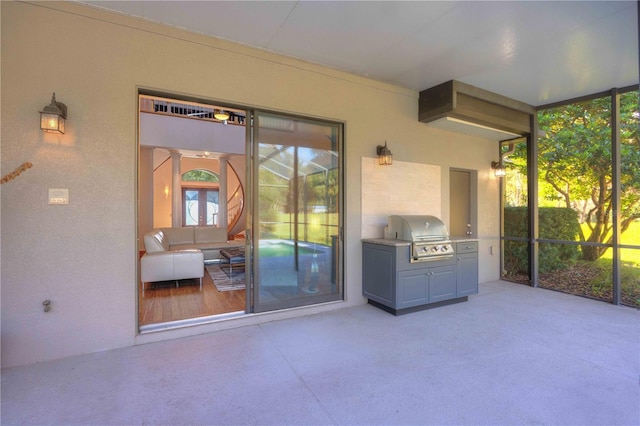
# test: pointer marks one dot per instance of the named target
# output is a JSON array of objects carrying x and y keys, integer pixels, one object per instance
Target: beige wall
[{"x": 83, "y": 256}]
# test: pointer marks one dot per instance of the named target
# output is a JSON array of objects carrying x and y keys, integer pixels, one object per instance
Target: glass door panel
[
  {"x": 297, "y": 220},
  {"x": 191, "y": 207},
  {"x": 212, "y": 208},
  {"x": 200, "y": 207}
]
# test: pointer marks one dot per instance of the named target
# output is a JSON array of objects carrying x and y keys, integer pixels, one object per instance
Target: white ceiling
[{"x": 537, "y": 52}]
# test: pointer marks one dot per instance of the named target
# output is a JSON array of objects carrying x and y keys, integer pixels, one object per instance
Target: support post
[
  {"x": 532, "y": 173},
  {"x": 176, "y": 190}
]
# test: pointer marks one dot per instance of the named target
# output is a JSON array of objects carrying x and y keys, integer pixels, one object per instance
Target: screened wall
[{"x": 571, "y": 200}]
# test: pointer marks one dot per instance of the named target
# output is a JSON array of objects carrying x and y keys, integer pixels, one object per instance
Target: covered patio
[{"x": 511, "y": 355}]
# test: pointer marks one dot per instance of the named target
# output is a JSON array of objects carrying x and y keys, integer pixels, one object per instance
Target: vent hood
[{"x": 463, "y": 108}]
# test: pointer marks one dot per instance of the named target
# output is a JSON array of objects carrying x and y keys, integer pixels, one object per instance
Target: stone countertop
[
  {"x": 399, "y": 243},
  {"x": 387, "y": 242}
]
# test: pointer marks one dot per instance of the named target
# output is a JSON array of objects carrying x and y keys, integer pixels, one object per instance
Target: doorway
[
  {"x": 200, "y": 207},
  {"x": 282, "y": 205},
  {"x": 463, "y": 190},
  {"x": 192, "y": 182}
]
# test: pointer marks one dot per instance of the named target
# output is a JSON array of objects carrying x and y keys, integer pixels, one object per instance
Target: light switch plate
[{"x": 58, "y": 196}]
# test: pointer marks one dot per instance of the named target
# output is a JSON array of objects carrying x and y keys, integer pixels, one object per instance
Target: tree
[{"x": 575, "y": 160}]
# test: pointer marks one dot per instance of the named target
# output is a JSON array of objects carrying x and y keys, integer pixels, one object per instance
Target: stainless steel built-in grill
[{"x": 428, "y": 235}]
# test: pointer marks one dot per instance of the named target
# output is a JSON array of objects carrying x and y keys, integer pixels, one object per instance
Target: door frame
[{"x": 472, "y": 198}]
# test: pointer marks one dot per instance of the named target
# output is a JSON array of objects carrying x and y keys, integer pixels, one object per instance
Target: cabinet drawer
[{"x": 467, "y": 247}]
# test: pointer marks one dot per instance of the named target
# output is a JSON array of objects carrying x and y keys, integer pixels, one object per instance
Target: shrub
[{"x": 554, "y": 224}]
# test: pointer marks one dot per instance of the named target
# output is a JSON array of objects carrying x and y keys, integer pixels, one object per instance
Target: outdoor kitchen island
[{"x": 393, "y": 282}]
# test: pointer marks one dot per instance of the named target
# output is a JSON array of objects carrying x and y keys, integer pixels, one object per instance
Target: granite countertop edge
[
  {"x": 387, "y": 242},
  {"x": 399, "y": 243}
]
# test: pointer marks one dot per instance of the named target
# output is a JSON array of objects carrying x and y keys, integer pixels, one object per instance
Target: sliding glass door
[{"x": 297, "y": 217}]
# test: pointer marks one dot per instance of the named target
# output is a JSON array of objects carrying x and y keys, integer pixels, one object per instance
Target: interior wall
[{"x": 82, "y": 256}]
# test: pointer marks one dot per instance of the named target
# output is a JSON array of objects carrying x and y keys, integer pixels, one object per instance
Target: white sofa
[
  {"x": 210, "y": 240},
  {"x": 180, "y": 253},
  {"x": 171, "y": 265}
]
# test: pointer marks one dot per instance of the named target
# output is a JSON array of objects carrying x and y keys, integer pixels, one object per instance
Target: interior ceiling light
[{"x": 221, "y": 115}]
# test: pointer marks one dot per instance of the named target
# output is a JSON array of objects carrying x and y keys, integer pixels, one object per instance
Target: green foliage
[
  {"x": 601, "y": 287},
  {"x": 200, "y": 176},
  {"x": 321, "y": 189},
  {"x": 556, "y": 224},
  {"x": 575, "y": 165},
  {"x": 274, "y": 193}
]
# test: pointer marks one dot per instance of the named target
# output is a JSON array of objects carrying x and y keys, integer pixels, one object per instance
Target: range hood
[{"x": 462, "y": 108}]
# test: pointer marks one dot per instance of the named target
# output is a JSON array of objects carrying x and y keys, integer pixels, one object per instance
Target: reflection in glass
[{"x": 298, "y": 215}]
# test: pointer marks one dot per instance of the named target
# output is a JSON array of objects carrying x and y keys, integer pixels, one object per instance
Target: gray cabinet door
[
  {"x": 442, "y": 283},
  {"x": 412, "y": 288},
  {"x": 378, "y": 273},
  {"x": 467, "y": 274}
]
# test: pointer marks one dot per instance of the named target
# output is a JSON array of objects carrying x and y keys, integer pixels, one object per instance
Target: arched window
[{"x": 200, "y": 176}]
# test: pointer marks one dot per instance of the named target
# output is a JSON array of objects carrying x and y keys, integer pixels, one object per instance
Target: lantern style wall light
[
  {"x": 385, "y": 157},
  {"x": 52, "y": 116},
  {"x": 498, "y": 168}
]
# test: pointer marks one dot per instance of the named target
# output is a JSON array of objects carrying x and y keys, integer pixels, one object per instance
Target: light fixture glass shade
[
  {"x": 52, "y": 117},
  {"x": 51, "y": 123},
  {"x": 221, "y": 115},
  {"x": 385, "y": 157},
  {"x": 498, "y": 169}
]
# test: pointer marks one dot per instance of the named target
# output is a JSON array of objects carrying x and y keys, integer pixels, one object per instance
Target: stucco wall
[{"x": 83, "y": 256}]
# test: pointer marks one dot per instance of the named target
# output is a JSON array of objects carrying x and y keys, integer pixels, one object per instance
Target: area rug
[{"x": 223, "y": 281}]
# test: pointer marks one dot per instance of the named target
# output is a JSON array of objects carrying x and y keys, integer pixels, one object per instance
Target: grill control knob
[
  {"x": 434, "y": 248},
  {"x": 444, "y": 248}
]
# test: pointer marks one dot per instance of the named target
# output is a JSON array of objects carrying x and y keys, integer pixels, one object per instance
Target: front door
[
  {"x": 200, "y": 207},
  {"x": 297, "y": 201}
]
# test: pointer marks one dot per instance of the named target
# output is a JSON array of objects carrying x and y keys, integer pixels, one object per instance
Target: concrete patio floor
[{"x": 511, "y": 355}]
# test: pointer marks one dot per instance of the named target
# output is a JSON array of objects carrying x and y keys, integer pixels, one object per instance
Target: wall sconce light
[
  {"x": 385, "y": 157},
  {"x": 498, "y": 168},
  {"x": 52, "y": 116},
  {"x": 221, "y": 115}
]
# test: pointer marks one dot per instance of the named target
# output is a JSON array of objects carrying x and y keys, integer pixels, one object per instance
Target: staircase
[{"x": 236, "y": 211}]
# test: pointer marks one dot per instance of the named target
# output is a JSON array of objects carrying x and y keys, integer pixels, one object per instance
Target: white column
[
  {"x": 223, "y": 197},
  {"x": 176, "y": 190}
]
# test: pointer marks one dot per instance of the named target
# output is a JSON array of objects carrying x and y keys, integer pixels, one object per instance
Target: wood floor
[{"x": 165, "y": 302}]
